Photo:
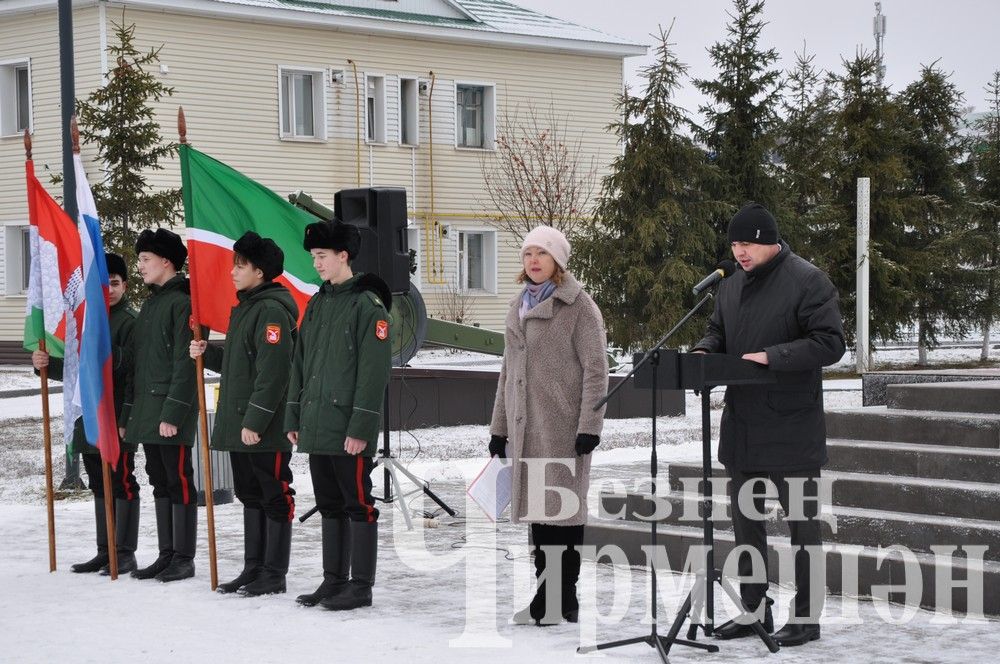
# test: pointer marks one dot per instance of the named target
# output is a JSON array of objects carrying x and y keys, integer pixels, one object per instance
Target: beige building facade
[{"x": 325, "y": 96}]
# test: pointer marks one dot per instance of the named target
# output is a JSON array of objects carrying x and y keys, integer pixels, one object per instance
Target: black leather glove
[
  {"x": 585, "y": 443},
  {"x": 498, "y": 446}
]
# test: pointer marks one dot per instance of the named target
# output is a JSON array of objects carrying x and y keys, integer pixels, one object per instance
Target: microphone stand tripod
[
  {"x": 660, "y": 643},
  {"x": 708, "y": 576}
]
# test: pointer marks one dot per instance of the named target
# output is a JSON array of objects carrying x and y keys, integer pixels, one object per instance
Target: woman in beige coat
[{"x": 555, "y": 370}]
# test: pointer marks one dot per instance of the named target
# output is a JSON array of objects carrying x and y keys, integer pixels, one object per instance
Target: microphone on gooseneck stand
[{"x": 722, "y": 270}]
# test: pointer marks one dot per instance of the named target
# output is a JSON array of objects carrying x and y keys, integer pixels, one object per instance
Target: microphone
[{"x": 722, "y": 270}]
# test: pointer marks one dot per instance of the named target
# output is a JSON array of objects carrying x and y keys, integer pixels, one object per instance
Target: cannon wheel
[{"x": 409, "y": 325}]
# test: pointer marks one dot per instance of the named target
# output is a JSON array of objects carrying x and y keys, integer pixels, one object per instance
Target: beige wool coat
[{"x": 555, "y": 370}]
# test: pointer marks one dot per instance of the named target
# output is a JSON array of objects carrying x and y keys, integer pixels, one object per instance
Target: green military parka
[
  {"x": 163, "y": 386},
  {"x": 340, "y": 367},
  {"x": 255, "y": 364}
]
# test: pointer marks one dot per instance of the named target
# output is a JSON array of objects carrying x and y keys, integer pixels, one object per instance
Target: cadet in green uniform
[
  {"x": 339, "y": 376},
  {"x": 161, "y": 410},
  {"x": 123, "y": 485},
  {"x": 249, "y": 417}
]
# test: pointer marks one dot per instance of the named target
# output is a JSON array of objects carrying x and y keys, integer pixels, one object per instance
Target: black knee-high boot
[
  {"x": 126, "y": 535},
  {"x": 253, "y": 550},
  {"x": 185, "y": 522},
  {"x": 364, "y": 558},
  {"x": 271, "y": 578},
  {"x": 572, "y": 537},
  {"x": 101, "y": 559},
  {"x": 165, "y": 540},
  {"x": 543, "y": 537},
  {"x": 336, "y": 561}
]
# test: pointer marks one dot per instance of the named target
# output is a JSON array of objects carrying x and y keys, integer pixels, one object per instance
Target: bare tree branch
[{"x": 537, "y": 175}]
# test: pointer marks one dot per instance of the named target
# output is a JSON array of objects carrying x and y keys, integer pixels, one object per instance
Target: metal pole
[
  {"x": 68, "y": 101},
  {"x": 863, "y": 347},
  {"x": 68, "y": 108}
]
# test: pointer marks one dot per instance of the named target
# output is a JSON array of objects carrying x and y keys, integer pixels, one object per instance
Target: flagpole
[
  {"x": 109, "y": 518},
  {"x": 43, "y": 373},
  {"x": 46, "y": 427},
  {"x": 206, "y": 457},
  {"x": 109, "y": 507}
]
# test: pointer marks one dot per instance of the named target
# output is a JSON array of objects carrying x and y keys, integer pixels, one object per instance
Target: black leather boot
[
  {"x": 336, "y": 561},
  {"x": 253, "y": 550},
  {"x": 126, "y": 535},
  {"x": 734, "y": 630},
  {"x": 797, "y": 634},
  {"x": 165, "y": 540},
  {"x": 101, "y": 559},
  {"x": 185, "y": 521},
  {"x": 571, "y": 560},
  {"x": 542, "y": 536},
  {"x": 271, "y": 578},
  {"x": 364, "y": 556}
]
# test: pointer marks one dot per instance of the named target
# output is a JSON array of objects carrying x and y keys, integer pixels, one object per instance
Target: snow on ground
[{"x": 444, "y": 593}]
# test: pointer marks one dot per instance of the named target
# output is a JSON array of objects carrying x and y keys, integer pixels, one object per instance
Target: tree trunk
[
  {"x": 921, "y": 345},
  {"x": 984, "y": 356}
]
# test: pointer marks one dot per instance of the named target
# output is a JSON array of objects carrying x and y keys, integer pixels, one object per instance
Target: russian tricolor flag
[{"x": 94, "y": 392}]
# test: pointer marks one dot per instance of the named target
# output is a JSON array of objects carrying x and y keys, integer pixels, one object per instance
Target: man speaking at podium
[{"x": 781, "y": 311}]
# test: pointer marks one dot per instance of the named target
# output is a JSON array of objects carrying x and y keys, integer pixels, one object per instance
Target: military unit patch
[
  {"x": 273, "y": 334},
  {"x": 382, "y": 329}
]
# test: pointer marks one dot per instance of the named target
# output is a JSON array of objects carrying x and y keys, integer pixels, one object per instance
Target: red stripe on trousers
[
  {"x": 125, "y": 473},
  {"x": 361, "y": 488},
  {"x": 284, "y": 486},
  {"x": 180, "y": 471}
]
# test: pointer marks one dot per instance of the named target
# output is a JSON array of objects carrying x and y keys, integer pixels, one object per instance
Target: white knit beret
[{"x": 551, "y": 240}]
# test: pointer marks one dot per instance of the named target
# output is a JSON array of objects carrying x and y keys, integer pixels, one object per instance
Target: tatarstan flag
[{"x": 220, "y": 205}]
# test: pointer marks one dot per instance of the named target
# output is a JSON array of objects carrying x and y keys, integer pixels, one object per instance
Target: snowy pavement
[{"x": 444, "y": 594}]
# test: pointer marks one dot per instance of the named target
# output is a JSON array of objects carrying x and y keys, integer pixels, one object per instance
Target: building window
[
  {"x": 17, "y": 259},
  {"x": 15, "y": 98},
  {"x": 303, "y": 103},
  {"x": 375, "y": 108},
  {"x": 477, "y": 261},
  {"x": 475, "y": 116},
  {"x": 409, "y": 111}
]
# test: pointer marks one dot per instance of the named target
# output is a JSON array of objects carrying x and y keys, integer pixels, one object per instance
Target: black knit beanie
[{"x": 754, "y": 224}]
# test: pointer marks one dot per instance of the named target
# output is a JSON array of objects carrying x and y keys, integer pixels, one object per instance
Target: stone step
[
  {"x": 964, "y": 464},
  {"x": 875, "y": 569},
  {"x": 914, "y": 495},
  {"x": 957, "y": 397},
  {"x": 915, "y": 426},
  {"x": 866, "y": 527}
]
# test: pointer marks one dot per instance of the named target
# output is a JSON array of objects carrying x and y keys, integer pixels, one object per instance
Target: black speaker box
[{"x": 380, "y": 214}]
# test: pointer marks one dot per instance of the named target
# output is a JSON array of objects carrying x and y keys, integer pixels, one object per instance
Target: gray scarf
[{"x": 535, "y": 294}]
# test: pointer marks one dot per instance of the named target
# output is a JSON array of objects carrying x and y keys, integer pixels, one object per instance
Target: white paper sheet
[{"x": 491, "y": 489}]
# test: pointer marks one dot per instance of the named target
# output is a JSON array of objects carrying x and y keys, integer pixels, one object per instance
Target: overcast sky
[{"x": 961, "y": 33}]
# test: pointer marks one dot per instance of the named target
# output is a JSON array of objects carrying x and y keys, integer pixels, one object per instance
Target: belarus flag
[
  {"x": 94, "y": 393},
  {"x": 55, "y": 289},
  {"x": 220, "y": 205}
]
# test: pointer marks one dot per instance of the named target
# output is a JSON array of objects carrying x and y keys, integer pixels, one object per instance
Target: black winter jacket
[{"x": 788, "y": 308}]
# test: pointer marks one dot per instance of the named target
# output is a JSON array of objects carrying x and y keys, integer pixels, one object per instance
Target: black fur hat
[
  {"x": 263, "y": 253},
  {"x": 375, "y": 284},
  {"x": 334, "y": 235},
  {"x": 116, "y": 265},
  {"x": 163, "y": 243}
]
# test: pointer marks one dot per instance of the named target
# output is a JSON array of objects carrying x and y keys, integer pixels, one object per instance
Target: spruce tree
[
  {"x": 936, "y": 234},
  {"x": 118, "y": 118},
  {"x": 983, "y": 181},
  {"x": 805, "y": 151},
  {"x": 868, "y": 142},
  {"x": 741, "y": 118},
  {"x": 651, "y": 238}
]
